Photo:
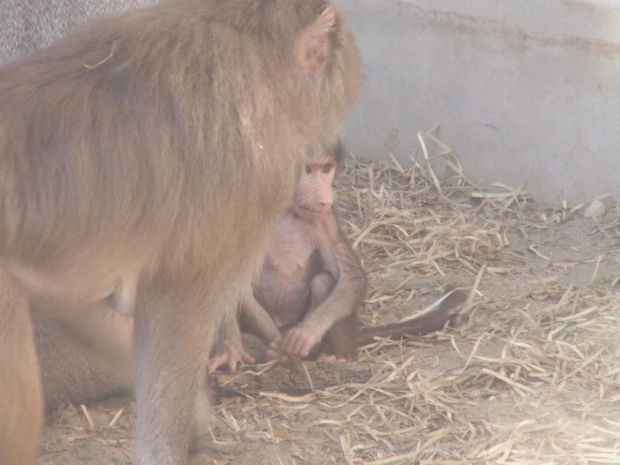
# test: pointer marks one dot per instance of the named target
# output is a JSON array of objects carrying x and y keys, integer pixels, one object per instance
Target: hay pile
[{"x": 531, "y": 373}]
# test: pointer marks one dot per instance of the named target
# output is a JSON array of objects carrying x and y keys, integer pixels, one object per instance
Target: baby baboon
[{"x": 306, "y": 300}]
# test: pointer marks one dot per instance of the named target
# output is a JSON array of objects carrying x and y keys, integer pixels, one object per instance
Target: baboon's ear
[{"x": 312, "y": 47}]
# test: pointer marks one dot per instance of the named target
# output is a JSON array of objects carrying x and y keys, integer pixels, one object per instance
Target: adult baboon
[{"x": 150, "y": 147}]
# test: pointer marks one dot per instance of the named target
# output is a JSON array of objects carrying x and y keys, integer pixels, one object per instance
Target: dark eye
[
  {"x": 328, "y": 168},
  {"x": 308, "y": 169}
]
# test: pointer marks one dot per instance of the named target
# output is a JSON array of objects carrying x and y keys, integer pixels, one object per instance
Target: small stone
[{"x": 597, "y": 209}]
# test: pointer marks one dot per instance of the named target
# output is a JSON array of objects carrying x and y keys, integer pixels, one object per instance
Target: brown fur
[
  {"x": 154, "y": 145},
  {"x": 21, "y": 406},
  {"x": 73, "y": 370}
]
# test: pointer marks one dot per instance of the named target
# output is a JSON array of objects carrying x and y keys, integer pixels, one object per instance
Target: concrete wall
[{"x": 524, "y": 91}]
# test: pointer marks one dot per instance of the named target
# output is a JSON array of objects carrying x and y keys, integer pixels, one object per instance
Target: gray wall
[
  {"x": 524, "y": 91},
  {"x": 27, "y": 25}
]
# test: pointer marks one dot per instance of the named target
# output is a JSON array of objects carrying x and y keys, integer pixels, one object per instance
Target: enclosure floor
[{"x": 529, "y": 374}]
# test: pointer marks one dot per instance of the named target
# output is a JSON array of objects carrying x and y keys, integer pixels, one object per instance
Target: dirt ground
[{"x": 529, "y": 374}]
